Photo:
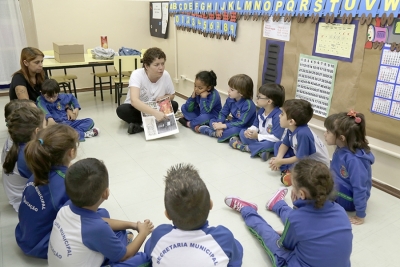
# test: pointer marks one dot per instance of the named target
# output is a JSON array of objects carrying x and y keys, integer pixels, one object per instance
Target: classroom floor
[{"x": 137, "y": 167}]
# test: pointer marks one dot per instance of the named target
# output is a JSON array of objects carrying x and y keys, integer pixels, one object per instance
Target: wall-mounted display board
[
  {"x": 386, "y": 100},
  {"x": 159, "y": 19},
  {"x": 355, "y": 81}
]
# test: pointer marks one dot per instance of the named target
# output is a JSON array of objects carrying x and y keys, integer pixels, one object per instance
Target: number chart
[{"x": 386, "y": 100}]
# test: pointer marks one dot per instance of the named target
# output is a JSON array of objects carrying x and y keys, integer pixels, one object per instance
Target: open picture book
[{"x": 154, "y": 129}]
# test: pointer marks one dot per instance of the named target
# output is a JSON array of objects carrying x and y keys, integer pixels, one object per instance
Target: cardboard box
[
  {"x": 66, "y": 58},
  {"x": 67, "y": 52}
]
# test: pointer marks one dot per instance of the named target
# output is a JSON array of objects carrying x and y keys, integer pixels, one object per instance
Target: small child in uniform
[
  {"x": 55, "y": 106},
  {"x": 299, "y": 142},
  {"x": 190, "y": 241},
  {"x": 351, "y": 161},
  {"x": 22, "y": 124},
  {"x": 93, "y": 238},
  {"x": 204, "y": 104},
  {"x": 48, "y": 157},
  {"x": 260, "y": 138},
  {"x": 317, "y": 231},
  {"x": 239, "y": 105}
]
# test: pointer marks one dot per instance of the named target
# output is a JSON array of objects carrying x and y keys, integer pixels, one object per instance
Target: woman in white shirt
[{"x": 150, "y": 83}]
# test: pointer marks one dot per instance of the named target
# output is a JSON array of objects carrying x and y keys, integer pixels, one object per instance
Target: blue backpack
[{"x": 125, "y": 51}]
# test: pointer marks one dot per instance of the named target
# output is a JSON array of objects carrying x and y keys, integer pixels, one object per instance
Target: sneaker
[
  {"x": 237, "y": 203},
  {"x": 183, "y": 121},
  {"x": 196, "y": 129},
  {"x": 286, "y": 178},
  {"x": 279, "y": 195},
  {"x": 233, "y": 142},
  {"x": 92, "y": 132},
  {"x": 134, "y": 128},
  {"x": 206, "y": 130},
  {"x": 264, "y": 155},
  {"x": 178, "y": 114},
  {"x": 243, "y": 148}
]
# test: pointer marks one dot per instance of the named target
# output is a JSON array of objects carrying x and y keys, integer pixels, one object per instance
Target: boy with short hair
[
  {"x": 55, "y": 106},
  {"x": 84, "y": 235},
  {"x": 190, "y": 241},
  {"x": 299, "y": 142}
]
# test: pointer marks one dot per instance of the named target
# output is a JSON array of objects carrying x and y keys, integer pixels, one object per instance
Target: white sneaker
[
  {"x": 237, "y": 203},
  {"x": 92, "y": 132}
]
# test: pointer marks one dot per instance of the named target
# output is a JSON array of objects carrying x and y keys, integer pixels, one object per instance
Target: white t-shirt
[{"x": 149, "y": 91}]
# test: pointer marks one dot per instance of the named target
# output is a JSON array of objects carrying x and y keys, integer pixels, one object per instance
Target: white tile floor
[{"x": 137, "y": 167}]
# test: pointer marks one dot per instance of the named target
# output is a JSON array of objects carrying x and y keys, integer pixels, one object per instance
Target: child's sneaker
[
  {"x": 183, "y": 121},
  {"x": 196, "y": 129},
  {"x": 234, "y": 141},
  {"x": 237, "y": 203},
  {"x": 286, "y": 178},
  {"x": 178, "y": 114},
  {"x": 92, "y": 132},
  {"x": 206, "y": 130},
  {"x": 279, "y": 195},
  {"x": 134, "y": 128}
]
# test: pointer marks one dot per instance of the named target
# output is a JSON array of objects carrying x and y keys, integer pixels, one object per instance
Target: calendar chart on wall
[{"x": 386, "y": 100}]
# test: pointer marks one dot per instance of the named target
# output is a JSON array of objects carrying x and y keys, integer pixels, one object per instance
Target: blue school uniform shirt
[
  {"x": 353, "y": 171},
  {"x": 317, "y": 237},
  {"x": 243, "y": 113},
  {"x": 23, "y": 169},
  {"x": 209, "y": 105},
  {"x": 80, "y": 237},
  {"x": 268, "y": 127},
  {"x": 56, "y": 110},
  {"x": 38, "y": 209},
  {"x": 207, "y": 246},
  {"x": 306, "y": 144}
]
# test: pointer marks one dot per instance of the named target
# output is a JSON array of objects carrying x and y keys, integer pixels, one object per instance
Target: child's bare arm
[
  {"x": 144, "y": 230},
  {"x": 118, "y": 225}
]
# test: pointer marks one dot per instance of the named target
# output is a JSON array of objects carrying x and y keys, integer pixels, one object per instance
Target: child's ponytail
[
  {"x": 316, "y": 178},
  {"x": 22, "y": 124},
  {"x": 49, "y": 149}
]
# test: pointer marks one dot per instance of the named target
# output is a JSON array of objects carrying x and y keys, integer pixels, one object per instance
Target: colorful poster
[
  {"x": 386, "y": 100},
  {"x": 277, "y": 30},
  {"x": 315, "y": 82},
  {"x": 335, "y": 40}
]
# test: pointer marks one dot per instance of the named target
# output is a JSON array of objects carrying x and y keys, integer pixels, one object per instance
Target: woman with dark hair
[
  {"x": 150, "y": 83},
  {"x": 26, "y": 83}
]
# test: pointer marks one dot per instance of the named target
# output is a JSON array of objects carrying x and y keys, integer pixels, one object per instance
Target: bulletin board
[{"x": 354, "y": 84}]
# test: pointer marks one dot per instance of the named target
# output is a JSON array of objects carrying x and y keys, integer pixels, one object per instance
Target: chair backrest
[
  {"x": 128, "y": 63},
  {"x": 142, "y": 52},
  {"x": 89, "y": 51}
]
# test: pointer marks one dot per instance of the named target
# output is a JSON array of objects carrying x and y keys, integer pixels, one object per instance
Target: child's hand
[
  {"x": 274, "y": 164},
  {"x": 293, "y": 196},
  {"x": 51, "y": 121},
  {"x": 356, "y": 220},
  {"x": 251, "y": 134},
  {"x": 218, "y": 133},
  {"x": 76, "y": 113},
  {"x": 145, "y": 227},
  {"x": 204, "y": 94},
  {"x": 70, "y": 115},
  {"x": 218, "y": 125}
]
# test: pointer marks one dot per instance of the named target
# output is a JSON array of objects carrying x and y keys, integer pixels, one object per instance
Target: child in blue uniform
[
  {"x": 48, "y": 157},
  {"x": 299, "y": 142},
  {"x": 260, "y": 138},
  {"x": 55, "y": 106},
  {"x": 22, "y": 123},
  {"x": 239, "y": 105},
  {"x": 317, "y": 231},
  {"x": 190, "y": 241},
  {"x": 351, "y": 161},
  {"x": 204, "y": 104},
  {"x": 93, "y": 239}
]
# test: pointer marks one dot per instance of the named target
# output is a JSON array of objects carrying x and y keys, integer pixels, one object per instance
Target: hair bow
[{"x": 353, "y": 114}]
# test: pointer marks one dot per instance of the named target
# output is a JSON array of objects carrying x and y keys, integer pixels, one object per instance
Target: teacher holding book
[{"x": 150, "y": 83}]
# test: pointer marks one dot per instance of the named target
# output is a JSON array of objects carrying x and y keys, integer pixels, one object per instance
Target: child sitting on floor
[
  {"x": 93, "y": 238},
  {"x": 299, "y": 142},
  {"x": 260, "y": 138},
  {"x": 317, "y": 231},
  {"x": 204, "y": 104},
  {"x": 239, "y": 105},
  {"x": 55, "y": 106},
  {"x": 187, "y": 204}
]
